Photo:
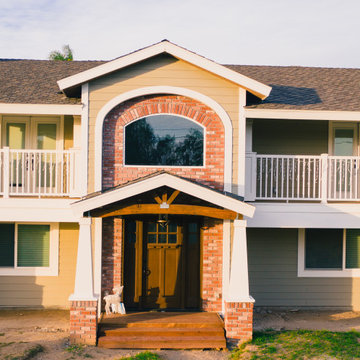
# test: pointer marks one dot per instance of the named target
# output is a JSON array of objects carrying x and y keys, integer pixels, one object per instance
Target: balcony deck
[
  {"x": 304, "y": 178},
  {"x": 40, "y": 173}
]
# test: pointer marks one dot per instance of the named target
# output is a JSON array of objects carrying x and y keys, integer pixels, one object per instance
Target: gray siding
[
  {"x": 273, "y": 275},
  {"x": 290, "y": 137}
]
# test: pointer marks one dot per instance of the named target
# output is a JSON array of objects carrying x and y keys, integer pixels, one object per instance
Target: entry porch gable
[{"x": 164, "y": 193}]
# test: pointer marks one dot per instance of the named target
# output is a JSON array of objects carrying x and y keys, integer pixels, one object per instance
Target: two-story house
[{"x": 197, "y": 186}]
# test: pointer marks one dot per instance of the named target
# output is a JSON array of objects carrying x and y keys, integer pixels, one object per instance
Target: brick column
[
  {"x": 238, "y": 321},
  {"x": 239, "y": 304},
  {"x": 83, "y": 303},
  {"x": 83, "y": 322}
]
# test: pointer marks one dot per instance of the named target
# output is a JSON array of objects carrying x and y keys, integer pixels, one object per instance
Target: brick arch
[{"x": 114, "y": 173}]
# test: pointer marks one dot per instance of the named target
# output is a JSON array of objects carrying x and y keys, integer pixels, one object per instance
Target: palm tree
[{"x": 65, "y": 55}]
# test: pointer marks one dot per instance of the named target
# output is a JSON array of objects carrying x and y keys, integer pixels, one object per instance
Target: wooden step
[
  {"x": 161, "y": 331},
  {"x": 162, "y": 342}
]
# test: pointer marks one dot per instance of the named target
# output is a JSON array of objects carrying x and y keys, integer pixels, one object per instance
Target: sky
[{"x": 251, "y": 32}]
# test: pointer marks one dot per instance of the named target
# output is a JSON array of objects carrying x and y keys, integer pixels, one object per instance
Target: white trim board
[
  {"x": 224, "y": 117},
  {"x": 255, "y": 87},
  {"x": 302, "y": 114},
  {"x": 157, "y": 181},
  {"x": 35, "y": 210},
  {"x": 40, "y": 109},
  {"x": 305, "y": 215}
]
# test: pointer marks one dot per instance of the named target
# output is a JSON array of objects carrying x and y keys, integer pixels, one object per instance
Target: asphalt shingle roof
[{"x": 293, "y": 87}]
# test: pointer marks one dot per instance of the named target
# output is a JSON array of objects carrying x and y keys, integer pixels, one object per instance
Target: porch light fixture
[{"x": 163, "y": 220}]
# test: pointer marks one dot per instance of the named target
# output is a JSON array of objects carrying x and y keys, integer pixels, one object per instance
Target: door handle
[{"x": 146, "y": 272}]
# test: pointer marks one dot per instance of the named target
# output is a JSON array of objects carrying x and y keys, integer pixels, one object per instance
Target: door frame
[
  {"x": 139, "y": 277},
  {"x": 333, "y": 125}
]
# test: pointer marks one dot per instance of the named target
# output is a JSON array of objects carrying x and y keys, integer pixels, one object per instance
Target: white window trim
[
  {"x": 51, "y": 270},
  {"x": 336, "y": 273},
  {"x": 167, "y": 166}
]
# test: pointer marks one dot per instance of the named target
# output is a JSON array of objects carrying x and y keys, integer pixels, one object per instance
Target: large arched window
[{"x": 164, "y": 140}]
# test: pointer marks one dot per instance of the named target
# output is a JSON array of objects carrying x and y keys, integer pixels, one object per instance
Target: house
[{"x": 193, "y": 184}]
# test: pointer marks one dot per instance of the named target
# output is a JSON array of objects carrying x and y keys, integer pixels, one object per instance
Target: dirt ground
[{"x": 21, "y": 330}]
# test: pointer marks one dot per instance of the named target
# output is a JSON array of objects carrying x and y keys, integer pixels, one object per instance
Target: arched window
[{"x": 164, "y": 140}]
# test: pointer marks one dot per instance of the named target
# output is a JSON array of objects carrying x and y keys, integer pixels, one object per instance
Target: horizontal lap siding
[
  {"x": 45, "y": 291},
  {"x": 273, "y": 275},
  {"x": 159, "y": 71}
]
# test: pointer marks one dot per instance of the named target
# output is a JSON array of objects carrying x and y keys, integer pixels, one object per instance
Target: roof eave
[
  {"x": 255, "y": 87},
  {"x": 160, "y": 180}
]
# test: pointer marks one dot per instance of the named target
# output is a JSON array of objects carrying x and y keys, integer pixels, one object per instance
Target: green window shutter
[
  {"x": 33, "y": 245},
  {"x": 7, "y": 244},
  {"x": 353, "y": 248},
  {"x": 323, "y": 248}
]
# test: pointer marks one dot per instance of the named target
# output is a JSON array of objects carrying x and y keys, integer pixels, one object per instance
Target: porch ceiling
[{"x": 163, "y": 193}]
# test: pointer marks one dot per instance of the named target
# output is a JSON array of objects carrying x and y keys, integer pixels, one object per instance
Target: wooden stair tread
[
  {"x": 143, "y": 342},
  {"x": 162, "y": 331},
  {"x": 163, "y": 325},
  {"x": 158, "y": 330}
]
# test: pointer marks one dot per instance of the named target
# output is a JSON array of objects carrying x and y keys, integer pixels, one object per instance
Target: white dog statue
[{"x": 113, "y": 302}]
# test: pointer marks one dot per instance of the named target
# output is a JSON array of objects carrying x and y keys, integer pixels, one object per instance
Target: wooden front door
[{"x": 162, "y": 264}]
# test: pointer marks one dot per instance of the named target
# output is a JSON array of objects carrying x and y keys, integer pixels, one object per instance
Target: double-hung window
[
  {"x": 329, "y": 253},
  {"x": 29, "y": 249}
]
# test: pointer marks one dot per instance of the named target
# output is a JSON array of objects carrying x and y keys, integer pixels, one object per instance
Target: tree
[{"x": 65, "y": 55}]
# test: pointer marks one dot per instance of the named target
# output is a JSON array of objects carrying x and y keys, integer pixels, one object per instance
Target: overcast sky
[{"x": 267, "y": 32}]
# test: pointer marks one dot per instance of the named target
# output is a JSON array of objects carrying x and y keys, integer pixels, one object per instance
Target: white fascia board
[
  {"x": 164, "y": 180},
  {"x": 302, "y": 215},
  {"x": 40, "y": 109},
  {"x": 302, "y": 114},
  {"x": 36, "y": 210},
  {"x": 257, "y": 88}
]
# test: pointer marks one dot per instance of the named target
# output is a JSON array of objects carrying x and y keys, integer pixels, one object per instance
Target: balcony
[
  {"x": 40, "y": 173},
  {"x": 302, "y": 178}
]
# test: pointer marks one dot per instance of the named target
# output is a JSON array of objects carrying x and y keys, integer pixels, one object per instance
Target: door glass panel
[
  {"x": 46, "y": 136},
  {"x": 172, "y": 238},
  {"x": 343, "y": 142},
  {"x": 162, "y": 238},
  {"x": 15, "y": 135}
]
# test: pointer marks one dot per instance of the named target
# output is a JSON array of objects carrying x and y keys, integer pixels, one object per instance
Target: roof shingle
[{"x": 293, "y": 87}]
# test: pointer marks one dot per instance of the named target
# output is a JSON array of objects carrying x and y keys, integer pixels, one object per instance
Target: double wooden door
[{"x": 162, "y": 264}]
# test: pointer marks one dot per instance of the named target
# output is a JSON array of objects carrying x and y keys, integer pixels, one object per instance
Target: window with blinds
[
  {"x": 352, "y": 249},
  {"x": 32, "y": 243}
]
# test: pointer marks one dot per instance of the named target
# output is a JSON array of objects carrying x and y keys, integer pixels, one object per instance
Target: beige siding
[
  {"x": 297, "y": 137},
  {"x": 273, "y": 275},
  {"x": 45, "y": 291},
  {"x": 160, "y": 70},
  {"x": 68, "y": 132}
]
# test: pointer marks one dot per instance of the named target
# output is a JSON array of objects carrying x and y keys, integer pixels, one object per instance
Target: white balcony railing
[
  {"x": 302, "y": 177},
  {"x": 49, "y": 173}
]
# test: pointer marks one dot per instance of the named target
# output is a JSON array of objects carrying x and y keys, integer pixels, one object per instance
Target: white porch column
[
  {"x": 84, "y": 289},
  {"x": 239, "y": 278}
]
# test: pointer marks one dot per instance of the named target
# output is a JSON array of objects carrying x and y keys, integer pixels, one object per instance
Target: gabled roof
[
  {"x": 157, "y": 180},
  {"x": 293, "y": 87},
  {"x": 255, "y": 87}
]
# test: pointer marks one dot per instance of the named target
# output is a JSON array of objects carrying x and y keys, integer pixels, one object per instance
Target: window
[
  {"x": 329, "y": 253},
  {"x": 164, "y": 140},
  {"x": 29, "y": 249}
]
